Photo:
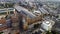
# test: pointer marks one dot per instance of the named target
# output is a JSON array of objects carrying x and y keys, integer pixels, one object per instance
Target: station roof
[{"x": 24, "y": 11}]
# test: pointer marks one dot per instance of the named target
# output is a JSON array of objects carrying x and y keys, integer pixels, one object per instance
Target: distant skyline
[
  {"x": 26, "y": 0},
  {"x": 29, "y": 0},
  {"x": 9, "y": 0}
]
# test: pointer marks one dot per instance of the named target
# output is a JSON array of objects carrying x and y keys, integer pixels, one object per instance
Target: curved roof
[{"x": 24, "y": 11}]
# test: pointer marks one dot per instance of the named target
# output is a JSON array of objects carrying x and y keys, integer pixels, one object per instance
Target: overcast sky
[
  {"x": 50, "y": 0},
  {"x": 30, "y": 0}
]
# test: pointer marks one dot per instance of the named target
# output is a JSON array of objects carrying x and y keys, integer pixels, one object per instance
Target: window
[
  {"x": 10, "y": 9},
  {"x": 3, "y": 13},
  {"x": 11, "y": 12}
]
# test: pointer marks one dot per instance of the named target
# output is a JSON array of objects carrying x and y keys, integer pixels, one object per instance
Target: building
[
  {"x": 47, "y": 25},
  {"x": 6, "y": 11}
]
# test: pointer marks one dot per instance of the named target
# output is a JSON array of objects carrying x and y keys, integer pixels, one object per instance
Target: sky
[
  {"x": 29, "y": 0},
  {"x": 50, "y": 0}
]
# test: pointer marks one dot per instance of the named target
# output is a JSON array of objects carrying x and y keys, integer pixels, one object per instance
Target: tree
[
  {"x": 8, "y": 5},
  {"x": 1, "y": 32},
  {"x": 52, "y": 32},
  {"x": 48, "y": 32}
]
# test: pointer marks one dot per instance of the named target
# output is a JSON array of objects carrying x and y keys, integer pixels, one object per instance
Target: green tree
[
  {"x": 8, "y": 5},
  {"x": 52, "y": 32},
  {"x": 48, "y": 32},
  {"x": 1, "y": 32}
]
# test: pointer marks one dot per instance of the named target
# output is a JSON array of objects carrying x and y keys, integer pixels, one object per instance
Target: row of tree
[{"x": 6, "y": 5}]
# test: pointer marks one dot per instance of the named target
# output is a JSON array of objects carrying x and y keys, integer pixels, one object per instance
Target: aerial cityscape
[{"x": 29, "y": 16}]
